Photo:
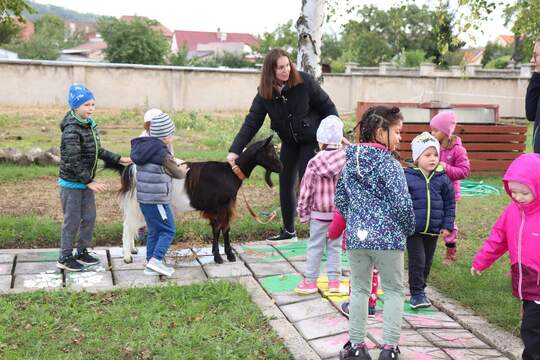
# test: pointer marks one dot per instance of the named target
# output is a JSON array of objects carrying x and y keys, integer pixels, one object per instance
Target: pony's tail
[{"x": 126, "y": 180}]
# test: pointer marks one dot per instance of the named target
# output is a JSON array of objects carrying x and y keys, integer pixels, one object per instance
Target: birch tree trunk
[{"x": 309, "y": 27}]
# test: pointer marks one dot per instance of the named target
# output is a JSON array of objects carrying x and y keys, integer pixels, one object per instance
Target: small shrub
[{"x": 499, "y": 63}]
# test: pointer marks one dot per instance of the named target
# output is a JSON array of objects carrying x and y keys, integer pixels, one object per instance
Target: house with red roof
[
  {"x": 208, "y": 43},
  {"x": 505, "y": 40}
]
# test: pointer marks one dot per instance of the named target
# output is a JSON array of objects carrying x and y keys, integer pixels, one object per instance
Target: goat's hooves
[
  {"x": 134, "y": 251},
  {"x": 128, "y": 260},
  {"x": 231, "y": 257},
  {"x": 218, "y": 259}
]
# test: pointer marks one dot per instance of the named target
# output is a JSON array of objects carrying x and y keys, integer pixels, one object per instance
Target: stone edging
[{"x": 493, "y": 335}]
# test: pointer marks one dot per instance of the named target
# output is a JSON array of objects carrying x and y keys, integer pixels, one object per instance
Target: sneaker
[
  {"x": 283, "y": 235},
  {"x": 358, "y": 352},
  {"x": 150, "y": 272},
  {"x": 306, "y": 287},
  {"x": 159, "y": 267},
  {"x": 389, "y": 352},
  {"x": 426, "y": 301},
  {"x": 333, "y": 286},
  {"x": 419, "y": 301},
  {"x": 371, "y": 311},
  {"x": 69, "y": 263},
  {"x": 344, "y": 307},
  {"x": 85, "y": 258}
]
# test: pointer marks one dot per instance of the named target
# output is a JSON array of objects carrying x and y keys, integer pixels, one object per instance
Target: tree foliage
[
  {"x": 133, "y": 42},
  {"x": 229, "y": 60},
  {"x": 15, "y": 7},
  {"x": 379, "y": 35},
  {"x": 283, "y": 36},
  {"x": 9, "y": 31},
  {"x": 493, "y": 51},
  {"x": 49, "y": 38}
]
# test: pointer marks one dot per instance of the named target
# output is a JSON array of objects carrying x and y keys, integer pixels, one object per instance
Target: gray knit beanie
[{"x": 161, "y": 126}]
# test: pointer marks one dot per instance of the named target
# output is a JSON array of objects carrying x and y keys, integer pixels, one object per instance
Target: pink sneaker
[
  {"x": 306, "y": 287},
  {"x": 333, "y": 286}
]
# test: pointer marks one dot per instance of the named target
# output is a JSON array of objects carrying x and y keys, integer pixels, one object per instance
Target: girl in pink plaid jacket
[{"x": 316, "y": 205}]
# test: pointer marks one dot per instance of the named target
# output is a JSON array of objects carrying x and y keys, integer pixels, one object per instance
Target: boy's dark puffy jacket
[
  {"x": 80, "y": 150},
  {"x": 295, "y": 114},
  {"x": 435, "y": 209}
]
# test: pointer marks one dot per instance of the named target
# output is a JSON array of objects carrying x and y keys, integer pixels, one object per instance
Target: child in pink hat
[{"x": 453, "y": 157}]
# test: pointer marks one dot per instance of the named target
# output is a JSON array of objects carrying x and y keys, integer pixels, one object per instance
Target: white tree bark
[{"x": 309, "y": 27}]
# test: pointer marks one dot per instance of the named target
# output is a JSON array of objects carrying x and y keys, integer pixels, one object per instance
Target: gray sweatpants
[
  {"x": 318, "y": 241},
  {"x": 79, "y": 207},
  {"x": 390, "y": 265}
]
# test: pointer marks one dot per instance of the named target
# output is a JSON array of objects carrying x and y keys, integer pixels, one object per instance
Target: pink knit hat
[{"x": 444, "y": 121}]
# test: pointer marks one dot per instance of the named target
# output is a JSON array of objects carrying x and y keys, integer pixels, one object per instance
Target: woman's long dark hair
[{"x": 268, "y": 75}]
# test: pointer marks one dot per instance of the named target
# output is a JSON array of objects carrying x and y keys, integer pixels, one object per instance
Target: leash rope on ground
[{"x": 271, "y": 215}]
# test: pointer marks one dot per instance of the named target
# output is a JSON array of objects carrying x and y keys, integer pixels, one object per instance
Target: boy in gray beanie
[{"x": 155, "y": 168}]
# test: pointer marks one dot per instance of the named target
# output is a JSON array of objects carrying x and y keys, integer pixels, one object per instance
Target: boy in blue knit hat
[{"x": 80, "y": 149}]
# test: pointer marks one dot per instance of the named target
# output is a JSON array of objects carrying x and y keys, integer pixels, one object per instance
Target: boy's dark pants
[
  {"x": 420, "y": 249},
  {"x": 530, "y": 330},
  {"x": 79, "y": 207}
]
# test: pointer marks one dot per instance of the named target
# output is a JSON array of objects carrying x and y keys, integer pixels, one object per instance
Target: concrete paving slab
[
  {"x": 475, "y": 354},
  {"x": 7, "y": 258},
  {"x": 437, "y": 320},
  {"x": 453, "y": 338},
  {"x": 235, "y": 269},
  {"x": 187, "y": 276},
  {"x": 322, "y": 326},
  {"x": 206, "y": 260},
  {"x": 280, "y": 284},
  {"x": 260, "y": 254},
  {"x": 268, "y": 269},
  {"x": 294, "y": 251},
  {"x": 300, "y": 266},
  {"x": 134, "y": 278},
  {"x": 89, "y": 279},
  {"x": 5, "y": 282},
  {"x": 422, "y": 353},
  {"x": 307, "y": 309},
  {"x": 35, "y": 268},
  {"x": 38, "y": 281},
  {"x": 139, "y": 263},
  {"x": 292, "y": 297},
  {"x": 329, "y": 347},
  {"x": 5, "y": 269},
  {"x": 409, "y": 337},
  {"x": 207, "y": 251},
  {"x": 38, "y": 256}
]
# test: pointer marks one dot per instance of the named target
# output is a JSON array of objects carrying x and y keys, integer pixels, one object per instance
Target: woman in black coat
[{"x": 296, "y": 104}]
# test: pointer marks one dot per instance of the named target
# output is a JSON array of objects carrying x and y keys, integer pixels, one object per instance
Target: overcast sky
[{"x": 251, "y": 16}]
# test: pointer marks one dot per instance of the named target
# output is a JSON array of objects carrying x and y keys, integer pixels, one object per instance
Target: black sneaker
[
  {"x": 371, "y": 311},
  {"x": 69, "y": 263},
  {"x": 283, "y": 235},
  {"x": 85, "y": 258},
  {"x": 344, "y": 307},
  {"x": 390, "y": 353},
  {"x": 419, "y": 301},
  {"x": 358, "y": 352}
]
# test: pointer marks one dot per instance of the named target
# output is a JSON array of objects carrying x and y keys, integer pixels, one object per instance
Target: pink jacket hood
[
  {"x": 525, "y": 170},
  {"x": 518, "y": 231}
]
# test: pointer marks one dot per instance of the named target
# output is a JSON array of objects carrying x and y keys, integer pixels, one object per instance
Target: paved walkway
[{"x": 311, "y": 325}]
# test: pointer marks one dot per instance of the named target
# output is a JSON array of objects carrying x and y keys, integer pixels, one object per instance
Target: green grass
[{"x": 215, "y": 320}]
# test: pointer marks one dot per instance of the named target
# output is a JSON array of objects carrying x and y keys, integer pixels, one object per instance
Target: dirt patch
[{"x": 40, "y": 197}]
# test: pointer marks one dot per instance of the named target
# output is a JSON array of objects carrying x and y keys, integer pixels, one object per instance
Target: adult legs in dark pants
[
  {"x": 420, "y": 249},
  {"x": 530, "y": 330},
  {"x": 294, "y": 158}
]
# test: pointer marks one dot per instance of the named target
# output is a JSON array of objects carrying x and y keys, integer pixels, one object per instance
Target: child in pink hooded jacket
[
  {"x": 453, "y": 158},
  {"x": 518, "y": 231}
]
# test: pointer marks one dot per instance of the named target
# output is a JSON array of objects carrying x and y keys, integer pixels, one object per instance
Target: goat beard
[{"x": 268, "y": 178}]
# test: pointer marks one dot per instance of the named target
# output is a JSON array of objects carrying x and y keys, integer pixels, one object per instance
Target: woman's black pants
[{"x": 294, "y": 158}]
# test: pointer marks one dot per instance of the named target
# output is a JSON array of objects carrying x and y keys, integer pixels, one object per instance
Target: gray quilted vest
[{"x": 154, "y": 186}]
